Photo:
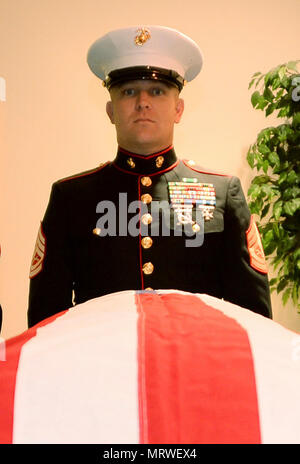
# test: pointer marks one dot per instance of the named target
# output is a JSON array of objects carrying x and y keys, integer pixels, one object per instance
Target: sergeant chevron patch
[
  {"x": 38, "y": 254},
  {"x": 255, "y": 248}
]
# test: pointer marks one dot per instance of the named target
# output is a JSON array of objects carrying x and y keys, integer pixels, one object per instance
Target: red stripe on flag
[
  {"x": 8, "y": 376},
  {"x": 196, "y": 374}
]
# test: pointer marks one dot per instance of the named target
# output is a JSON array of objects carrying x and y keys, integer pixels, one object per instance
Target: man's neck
[{"x": 145, "y": 149}]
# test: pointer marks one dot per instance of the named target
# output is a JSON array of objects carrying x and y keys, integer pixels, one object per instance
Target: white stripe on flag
[{"x": 89, "y": 352}]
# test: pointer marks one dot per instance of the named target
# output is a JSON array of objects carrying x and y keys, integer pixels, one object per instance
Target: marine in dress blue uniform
[{"x": 75, "y": 260}]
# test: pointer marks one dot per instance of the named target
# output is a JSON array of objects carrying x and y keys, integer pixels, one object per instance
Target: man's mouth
[{"x": 144, "y": 120}]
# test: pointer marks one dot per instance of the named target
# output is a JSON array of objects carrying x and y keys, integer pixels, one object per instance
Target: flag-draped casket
[{"x": 152, "y": 367}]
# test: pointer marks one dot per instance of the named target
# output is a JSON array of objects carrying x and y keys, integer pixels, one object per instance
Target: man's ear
[
  {"x": 179, "y": 110},
  {"x": 110, "y": 111}
]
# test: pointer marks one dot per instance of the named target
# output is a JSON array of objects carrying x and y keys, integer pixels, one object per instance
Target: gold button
[
  {"x": 159, "y": 161},
  {"x": 146, "y": 181},
  {"x": 146, "y": 218},
  {"x": 146, "y": 198},
  {"x": 131, "y": 163},
  {"x": 196, "y": 227},
  {"x": 149, "y": 289},
  {"x": 147, "y": 242},
  {"x": 148, "y": 268},
  {"x": 97, "y": 231}
]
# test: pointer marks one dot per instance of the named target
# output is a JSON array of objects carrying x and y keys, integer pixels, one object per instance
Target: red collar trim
[
  {"x": 135, "y": 155},
  {"x": 143, "y": 174}
]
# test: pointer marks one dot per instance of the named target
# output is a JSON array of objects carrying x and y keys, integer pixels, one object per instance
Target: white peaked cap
[{"x": 130, "y": 52}]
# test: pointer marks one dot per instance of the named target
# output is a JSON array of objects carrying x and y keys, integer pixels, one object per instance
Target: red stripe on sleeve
[
  {"x": 8, "y": 376},
  {"x": 196, "y": 374}
]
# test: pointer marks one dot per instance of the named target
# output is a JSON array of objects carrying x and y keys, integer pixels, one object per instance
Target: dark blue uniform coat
[{"x": 73, "y": 264}]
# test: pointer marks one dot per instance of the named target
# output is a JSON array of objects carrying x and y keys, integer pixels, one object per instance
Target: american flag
[{"x": 152, "y": 367}]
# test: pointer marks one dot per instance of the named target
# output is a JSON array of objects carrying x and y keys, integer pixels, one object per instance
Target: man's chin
[{"x": 146, "y": 145}]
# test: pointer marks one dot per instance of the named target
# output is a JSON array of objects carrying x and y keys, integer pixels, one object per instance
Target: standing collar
[{"x": 145, "y": 164}]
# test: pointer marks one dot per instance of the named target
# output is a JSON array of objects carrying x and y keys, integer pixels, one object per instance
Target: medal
[{"x": 190, "y": 193}]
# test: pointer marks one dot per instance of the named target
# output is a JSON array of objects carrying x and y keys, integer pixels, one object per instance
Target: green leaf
[
  {"x": 296, "y": 203},
  {"x": 262, "y": 179},
  {"x": 281, "y": 72},
  {"x": 269, "y": 77},
  {"x": 279, "y": 94},
  {"x": 282, "y": 177},
  {"x": 270, "y": 108},
  {"x": 262, "y": 103},
  {"x": 285, "y": 82},
  {"x": 296, "y": 119},
  {"x": 277, "y": 210},
  {"x": 258, "y": 73},
  {"x": 268, "y": 94},
  {"x": 274, "y": 158},
  {"x": 258, "y": 101},
  {"x": 292, "y": 177},
  {"x": 290, "y": 193},
  {"x": 269, "y": 249},
  {"x": 289, "y": 208},
  {"x": 265, "y": 166},
  {"x": 258, "y": 80},
  {"x": 255, "y": 98},
  {"x": 254, "y": 190},
  {"x": 263, "y": 148},
  {"x": 276, "y": 83},
  {"x": 268, "y": 237},
  {"x": 250, "y": 158},
  {"x": 284, "y": 112},
  {"x": 295, "y": 293},
  {"x": 282, "y": 284},
  {"x": 267, "y": 190},
  {"x": 286, "y": 295},
  {"x": 297, "y": 254},
  {"x": 251, "y": 83},
  {"x": 286, "y": 267},
  {"x": 265, "y": 135},
  {"x": 256, "y": 206},
  {"x": 273, "y": 281}
]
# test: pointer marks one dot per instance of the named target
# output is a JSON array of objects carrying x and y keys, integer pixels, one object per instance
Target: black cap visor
[{"x": 120, "y": 76}]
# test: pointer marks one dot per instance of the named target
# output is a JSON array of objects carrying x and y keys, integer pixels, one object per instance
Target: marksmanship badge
[
  {"x": 142, "y": 36},
  {"x": 190, "y": 193}
]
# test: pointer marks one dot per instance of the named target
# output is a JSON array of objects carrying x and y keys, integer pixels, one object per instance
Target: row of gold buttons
[{"x": 147, "y": 242}]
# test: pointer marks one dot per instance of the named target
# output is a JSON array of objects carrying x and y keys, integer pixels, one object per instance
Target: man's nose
[{"x": 143, "y": 100}]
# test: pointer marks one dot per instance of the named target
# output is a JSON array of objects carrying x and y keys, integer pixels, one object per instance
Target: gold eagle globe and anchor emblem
[{"x": 143, "y": 34}]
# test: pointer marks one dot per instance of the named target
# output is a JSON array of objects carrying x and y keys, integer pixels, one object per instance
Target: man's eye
[
  {"x": 128, "y": 92},
  {"x": 157, "y": 91}
]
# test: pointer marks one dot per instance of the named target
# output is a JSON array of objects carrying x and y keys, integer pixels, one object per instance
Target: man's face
[{"x": 144, "y": 113}]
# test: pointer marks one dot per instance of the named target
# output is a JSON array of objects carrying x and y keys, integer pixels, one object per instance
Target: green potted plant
[{"x": 274, "y": 193}]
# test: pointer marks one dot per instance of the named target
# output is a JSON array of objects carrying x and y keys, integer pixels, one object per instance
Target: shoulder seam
[
  {"x": 185, "y": 161},
  {"x": 83, "y": 174}
]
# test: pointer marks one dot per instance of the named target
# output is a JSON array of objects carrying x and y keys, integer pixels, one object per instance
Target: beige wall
[{"x": 53, "y": 122}]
